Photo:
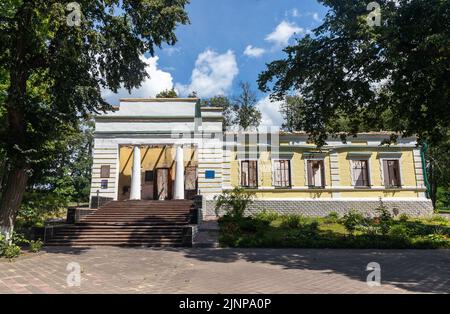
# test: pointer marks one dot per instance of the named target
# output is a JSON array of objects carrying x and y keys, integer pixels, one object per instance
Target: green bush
[
  {"x": 292, "y": 221},
  {"x": 399, "y": 231},
  {"x": 332, "y": 217},
  {"x": 351, "y": 220},
  {"x": 385, "y": 218},
  {"x": 11, "y": 251},
  {"x": 35, "y": 246},
  {"x": 267, "y": 216},
  {"x": 438, "y": 219},
  {"x": 403, "y": 217},
  {"x": 233, "y": 202},
  {"x": 7, "y": 249}
]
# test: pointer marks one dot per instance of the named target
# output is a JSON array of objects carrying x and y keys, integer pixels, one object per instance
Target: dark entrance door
[
  {"x": 162, "y": 184},
  {"x": 190, "y": 182}
]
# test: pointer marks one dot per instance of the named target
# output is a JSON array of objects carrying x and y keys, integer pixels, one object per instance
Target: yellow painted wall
[
  {"x": 299, "y": 178},
  {"x": 151, "y": 158}
]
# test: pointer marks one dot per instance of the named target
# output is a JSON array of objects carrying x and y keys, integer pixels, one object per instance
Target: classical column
[
  {"x": 179, "y": 174},
  {"x": 135, "y": 189}
]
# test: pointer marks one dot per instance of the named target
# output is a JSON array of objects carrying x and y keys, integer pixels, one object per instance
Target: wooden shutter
[
  {"x": 310, "y": 173},
  {"x": 360, "y": 173},
  {"x": 244, "y": 173},
  {"x": 386, "y": 173},
  {"x": 105, "y": 171},
  {"x": 394, "y": 173},
  {"x": 322, "y": 173},
  {"x": 253, "y": 173},
  {"x": 282, "y": 176}
]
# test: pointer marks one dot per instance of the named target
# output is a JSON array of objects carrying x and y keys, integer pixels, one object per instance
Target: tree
[
  {"x": 54, "y": 62},
  {"x": 246, "y": 114},
  {"x": 63, "y": 176},
  {"x": 193, "y": 95},
  {"x": 167, "y": 93},
  {"x": 223, "y": 102},
  {"x": 352, "y": 69}
]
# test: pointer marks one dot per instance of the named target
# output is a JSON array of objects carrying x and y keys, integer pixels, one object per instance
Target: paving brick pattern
[{"x": 202, "y": 270}]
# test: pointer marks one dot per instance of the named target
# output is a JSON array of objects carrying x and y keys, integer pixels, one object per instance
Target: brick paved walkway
[{"x": 202, "y": 270}]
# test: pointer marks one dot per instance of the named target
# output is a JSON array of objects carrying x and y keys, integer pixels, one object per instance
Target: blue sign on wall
[{"x": 210, "y": 174}]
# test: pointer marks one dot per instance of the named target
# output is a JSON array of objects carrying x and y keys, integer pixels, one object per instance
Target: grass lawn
[{"x": 273, "y": 230}]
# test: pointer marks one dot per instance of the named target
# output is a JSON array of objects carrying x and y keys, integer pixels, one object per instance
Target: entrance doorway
[{"x": 162, "y": 184}]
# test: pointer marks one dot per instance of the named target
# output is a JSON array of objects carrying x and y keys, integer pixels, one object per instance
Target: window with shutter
[
  {"x": 249, "y": 173},
  {"x": 391, "y": 171},
  {"x": 361, "y": 173},
  {"x": 316, "y": 173},
  {"x": 105, "y": 171},
  {"x": 282, "y": 173}
]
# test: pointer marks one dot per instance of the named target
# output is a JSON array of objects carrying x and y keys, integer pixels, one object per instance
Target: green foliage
[
  {"x": 403, "y": 217},
  {"x": 351, "y": 220},
  {"x": 289, "y": 231},
  {"x": 332, "y": 217},
  {"x": 292, "y": 221},
  {"x": 7, "y": 249},
  {"x": 399, "y": 231},
  {"x": 384, "y": 219},
  {"x": 240, "y": 111},
  {"x": 443, "y": 199},
  {"x": 372, "y": 77},
  {"x": 267, "y": 216},
  {"x": 438, "y": 219},
  {"x": 225, "y": 103},
  {"x": 35, "y": 246},
  {"x": 52, "y": 75},
  {"x": 246, "y": 114},
  {"x": 168, "y": 93},
  {"x": 234, "y": 202}
]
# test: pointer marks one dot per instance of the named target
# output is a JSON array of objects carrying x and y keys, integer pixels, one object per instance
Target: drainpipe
[{"x": 423, "y": 151}]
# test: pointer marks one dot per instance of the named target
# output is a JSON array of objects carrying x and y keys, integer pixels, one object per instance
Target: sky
[{"x": 227, "y": 42}]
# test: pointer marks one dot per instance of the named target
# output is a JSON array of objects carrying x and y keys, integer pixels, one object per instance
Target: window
[
  {"x": 105, "y": 171},
  {"x": 391, "y": 172},
  {"x": 149, "y": 176},
  {"x": 249, "y": 173},
  {"x": 104, "y": 184},
  {"x": 360, "y": 173},
  {"x": 282, "y": 173},
  {"x": 316, "y": 173}
]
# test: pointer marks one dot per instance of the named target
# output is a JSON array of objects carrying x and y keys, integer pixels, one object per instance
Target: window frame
[
  {"x": 400, "y": 178},
  {"x": 368, "y": 169},
  {"x": 241, "y": 161},
  {"x": 107, "y": 169},
  {"x": 323, "y": 173},
  {"x": 274, "y": 161}
]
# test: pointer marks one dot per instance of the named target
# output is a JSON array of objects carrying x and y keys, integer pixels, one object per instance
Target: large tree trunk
[
  {"x": 16, "y": 177},
  {"x": 11, "y": 200}
]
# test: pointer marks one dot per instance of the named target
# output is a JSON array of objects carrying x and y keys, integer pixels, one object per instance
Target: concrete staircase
[{"x": 130, "y": 223}]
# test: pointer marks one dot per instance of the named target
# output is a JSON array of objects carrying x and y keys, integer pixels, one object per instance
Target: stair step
[{"x": 128, "y": 223}]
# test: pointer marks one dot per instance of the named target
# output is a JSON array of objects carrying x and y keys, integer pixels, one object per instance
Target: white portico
[{"x": 156, "y": 149}]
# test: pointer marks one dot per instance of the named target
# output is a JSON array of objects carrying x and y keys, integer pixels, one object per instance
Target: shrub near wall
[{"x": 269, "y": 229}]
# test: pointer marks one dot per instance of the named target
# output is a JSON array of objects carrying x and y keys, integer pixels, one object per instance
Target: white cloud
[
  {"x": 159, "y": 80},
  {"x": 295, "y": 12},
  {"x": 315, "y": 16},
  {"x": 270, "y": 112},
  {"x": 253, "y": 51},
  {"x": 212, "y": 75},
  {"x": 283, "y": 32}
]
